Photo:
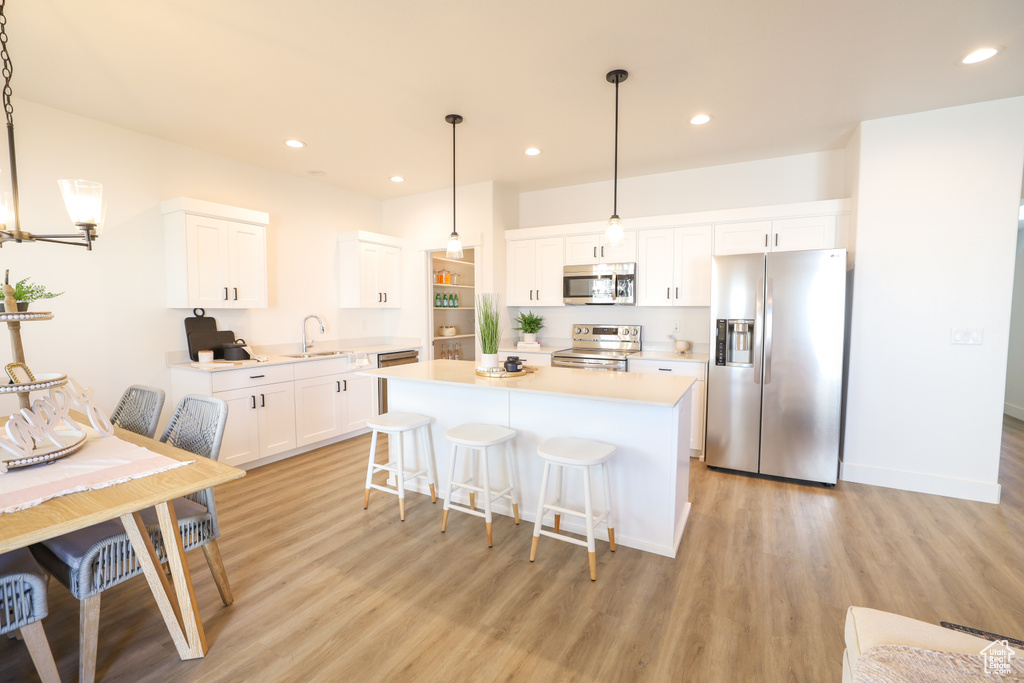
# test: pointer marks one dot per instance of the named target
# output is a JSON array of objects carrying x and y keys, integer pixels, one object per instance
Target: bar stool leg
[
  {"x": 513, "y": 478},
  {"x": 369, "y": 469},
  {"x": 472, "y": 478},
  {"x": 449, "y": 488},
  {"x": 608, "y": 505},
  {"x": 487, "y": 495},
  {"x": 558, "y": 495},
  {"x": 401, "y": 475},
  {"x": 540, "y": 510},
  {"x": 588, "y": 507},
  {"x": 431, "y": 464}
]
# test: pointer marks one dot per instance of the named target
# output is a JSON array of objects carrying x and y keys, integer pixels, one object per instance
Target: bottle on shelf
[
  {"x": 457, "y": 354},
  {"x": 437, "y": 300},
  {"x": 456, "y": 304}
]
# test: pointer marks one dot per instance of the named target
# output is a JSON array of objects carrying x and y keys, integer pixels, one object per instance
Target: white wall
[
  {"x": 112, "y": 328},
  {"x": 1014, "y": 400},
  {"x": 783, "y": 180},
  {"x": 936, "y": 226}
]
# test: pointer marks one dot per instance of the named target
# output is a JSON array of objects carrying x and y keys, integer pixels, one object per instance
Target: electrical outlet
[
  {"x": 967, "y": 335},
  {"x": 675, "y": 326}
]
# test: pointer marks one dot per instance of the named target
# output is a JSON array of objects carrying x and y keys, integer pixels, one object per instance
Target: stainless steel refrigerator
[{"x": 776, "y": 373}]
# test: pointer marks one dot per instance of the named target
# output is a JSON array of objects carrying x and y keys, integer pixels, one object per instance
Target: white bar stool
[
  {"x": 582, "y": 455},
  {"x": 398, "y": 424},
  {"x": 480, "y": 438}
]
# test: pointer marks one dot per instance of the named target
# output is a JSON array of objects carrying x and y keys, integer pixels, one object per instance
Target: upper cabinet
[
  {"x": 584, "y": 250},
  {"x": 535, "y": 272},
  {"x": 369, "y": 267},
  {"x": 788, "y": 234},
  {"x": 216, "y": 255},
  {"x": 674, "y": 266}
]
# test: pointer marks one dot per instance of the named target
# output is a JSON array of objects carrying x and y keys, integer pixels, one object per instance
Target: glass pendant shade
[
  {"x": 454, "y": 246},
  {"x": 84, "y": 201},
  {"x": 613, "y": 233}
]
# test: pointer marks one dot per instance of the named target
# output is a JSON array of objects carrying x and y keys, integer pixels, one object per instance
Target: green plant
[
  {"x": 530, "y": 323},
  {"x": 26, "y": 291},
  {"x": 488, "y": 322}
]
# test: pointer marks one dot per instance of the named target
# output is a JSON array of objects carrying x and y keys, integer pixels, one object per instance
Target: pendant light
[
  {"x": 82, "y": 198},
  {"x": 454, "y": 241},
  {"x": 614, "y": 231}
]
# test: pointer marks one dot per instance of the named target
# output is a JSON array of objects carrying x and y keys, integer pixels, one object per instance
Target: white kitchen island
[{"x": 646, "y": 417}]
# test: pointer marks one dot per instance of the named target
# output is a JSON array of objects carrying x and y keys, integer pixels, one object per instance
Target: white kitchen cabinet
[
  {"x": 541, "y": 360},
  {"x": 674, "y": 266},
  {"x": 583, "y": 250},
  {"x": 261, "y": 422},
  {"x": 330, "y": 406},
  {"x": 695, "y": 369},
  {"x": 535, "y": 272},
  {"x": 215, "y": 255},
  {"x": 369, "y": 270},
  {"x": 788, "y": 234}
]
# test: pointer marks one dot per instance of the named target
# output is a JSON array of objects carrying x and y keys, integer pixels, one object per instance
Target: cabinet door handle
[
  {"x": 538, "y": 295},
  {"x": 665, "y": 369},
  {"x": 776, "y": 239},
  {"x": 668, "y": 292},
  {"x": 602, "y": 252},
  {"x": 345, "y": 382},
  {"x": 263, "y": 401},
  {"x": 677, "y": 292},
  {"x": 385, "y": 297},
  {"x": 225, "y": 294},
  {"x": 236, "y": 293},
  {"x": 379, "y": 299},
  {"x": 766, "y": 239},
  {"x": 595, "y": 252},
  {"x": 253, "y": 402},
  {"x": 338, "y": 387},
  {"x": 256, "y": 376},
  {"x": 531, "y": 295}
]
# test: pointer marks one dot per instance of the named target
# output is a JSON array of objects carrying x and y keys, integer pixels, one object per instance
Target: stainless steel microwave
[{"x": 608, "y": 284}]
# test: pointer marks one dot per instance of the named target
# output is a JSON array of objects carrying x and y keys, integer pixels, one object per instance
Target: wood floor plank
[{"x": 326, "y": 591}]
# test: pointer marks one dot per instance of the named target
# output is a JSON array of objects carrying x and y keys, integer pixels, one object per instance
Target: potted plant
[
  {"x": 25, "y": 292},
  {"x": 530, "y": 325},
  {"x": 489, "y": 328}
]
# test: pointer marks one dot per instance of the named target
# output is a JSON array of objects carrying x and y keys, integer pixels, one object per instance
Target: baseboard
[
  {"x": 1013, "y": 411},
  {"x": 983, "y": 492}
]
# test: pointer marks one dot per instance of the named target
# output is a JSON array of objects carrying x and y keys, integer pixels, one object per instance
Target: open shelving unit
[{"x": 463, "y": 317}]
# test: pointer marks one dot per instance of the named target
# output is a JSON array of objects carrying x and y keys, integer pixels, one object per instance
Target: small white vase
[
  {"x": 488, "y": 361},
  {"x": 530, "y": 337}
]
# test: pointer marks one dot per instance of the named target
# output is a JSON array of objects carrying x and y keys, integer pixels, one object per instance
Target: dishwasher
[{"x": 387, "y": 360}]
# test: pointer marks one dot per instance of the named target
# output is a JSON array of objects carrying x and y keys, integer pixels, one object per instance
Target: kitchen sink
[
  {"x": 300, "y": 355},
  {"x": 332, "y": 353}
]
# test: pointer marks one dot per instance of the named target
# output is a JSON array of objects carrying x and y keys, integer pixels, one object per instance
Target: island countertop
[{"x": 622, "y": 387}]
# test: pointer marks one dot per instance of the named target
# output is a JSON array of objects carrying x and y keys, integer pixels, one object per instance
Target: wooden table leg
[{"x": 179, "y": 613}]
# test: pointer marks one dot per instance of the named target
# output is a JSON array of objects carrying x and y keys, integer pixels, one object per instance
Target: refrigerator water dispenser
[{"x": 734, "y": 342}]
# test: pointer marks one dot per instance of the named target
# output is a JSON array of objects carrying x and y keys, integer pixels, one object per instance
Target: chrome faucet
[{"x": 305, "y": 345}]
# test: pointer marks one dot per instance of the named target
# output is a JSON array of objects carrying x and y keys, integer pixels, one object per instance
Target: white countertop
[
  {"x": 673, "y": 356},
  {"x": 511, "y": 348},
  {"x": 623, "y": 387},
  {"x": 279, "y": 359}
]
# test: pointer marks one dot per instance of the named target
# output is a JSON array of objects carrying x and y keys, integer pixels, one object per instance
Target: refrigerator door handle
[
  {"x": 758, "y": 322},
  {"x": 769, "y": 305}
]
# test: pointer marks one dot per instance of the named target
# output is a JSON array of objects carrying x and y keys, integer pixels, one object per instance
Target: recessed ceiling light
[
  {"x": 700, "y": 119},
  {"x": 532, "y": 152},
  {"x": 297, "y": 144},
  {"x": 980, "y": 55},
  {"x": 316, "y": 173},
  {"x": 397, "y": 179}
]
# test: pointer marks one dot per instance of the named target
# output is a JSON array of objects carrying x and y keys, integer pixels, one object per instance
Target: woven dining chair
[
  {"x": 91, "y": 560},
  {"x": 139, "y": 409},
  {"x": 23, "y": 605}
]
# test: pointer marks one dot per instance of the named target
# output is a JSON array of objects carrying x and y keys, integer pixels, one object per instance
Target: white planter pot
[
  {"x": 530, "y": 337},
  {"x": 489, "y": 360}
]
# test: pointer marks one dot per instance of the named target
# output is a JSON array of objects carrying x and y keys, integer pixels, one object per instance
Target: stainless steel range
[{"x": 599, "y": 347}]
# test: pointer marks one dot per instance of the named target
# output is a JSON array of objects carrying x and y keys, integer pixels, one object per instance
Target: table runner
[{"x": 101, "y": 462}]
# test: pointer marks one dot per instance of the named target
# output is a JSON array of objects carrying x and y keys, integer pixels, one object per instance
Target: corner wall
[
  {"x": 1014, "y": 402},
  {"x": 938, "y": 194}
]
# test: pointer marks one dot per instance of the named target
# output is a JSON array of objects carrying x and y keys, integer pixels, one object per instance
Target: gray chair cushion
[{"x": 72, "y": 548}]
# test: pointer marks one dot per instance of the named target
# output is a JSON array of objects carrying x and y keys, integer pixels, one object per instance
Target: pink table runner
[{"x": 101, "y": 462}]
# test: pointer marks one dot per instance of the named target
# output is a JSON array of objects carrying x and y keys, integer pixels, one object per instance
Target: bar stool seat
[
  {"x": 581, "y": 455},
  {"x": 480, "y": 438},
  {"x": 398, "y": 424}
]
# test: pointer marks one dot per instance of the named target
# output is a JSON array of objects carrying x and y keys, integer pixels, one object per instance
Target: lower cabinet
[
  {"x": 694, "y": 369},
  {"x": 329, "y": 406},
  {"x": 261, "y": 422}
]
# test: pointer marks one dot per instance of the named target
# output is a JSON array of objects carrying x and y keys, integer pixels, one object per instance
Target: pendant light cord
[
  {"x": 615, "y": 176},
  {"x": 454, "y": 123},
  {"x": 8, "y": 71}
]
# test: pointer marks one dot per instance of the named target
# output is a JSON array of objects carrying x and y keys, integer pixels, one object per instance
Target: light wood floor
[{"x": 325, "y": 591}]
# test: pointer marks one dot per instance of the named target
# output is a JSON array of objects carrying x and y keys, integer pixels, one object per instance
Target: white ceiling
[{"x": 367, "y": 84}]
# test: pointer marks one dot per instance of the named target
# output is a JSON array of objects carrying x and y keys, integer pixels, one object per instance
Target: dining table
[{"x": 176, "y": 598}]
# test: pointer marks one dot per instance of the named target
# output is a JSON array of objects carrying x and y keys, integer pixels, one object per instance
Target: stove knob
[
  {"x": 578, "y": 330},
  {"x": 586, "y": 330},
  {"x": 623, "y": 331},
  {"x": 636, "y": 332}
]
